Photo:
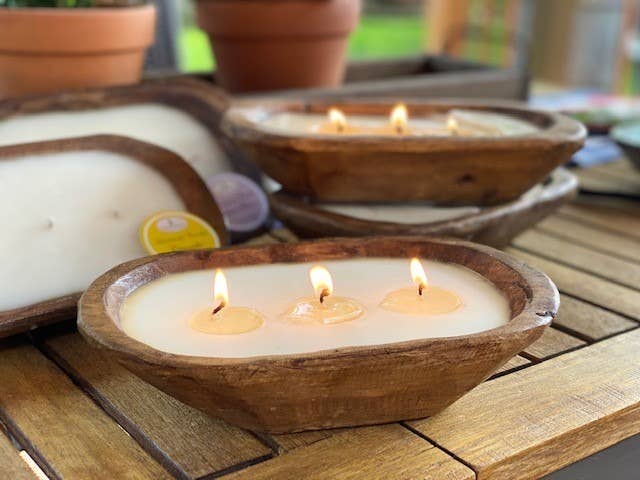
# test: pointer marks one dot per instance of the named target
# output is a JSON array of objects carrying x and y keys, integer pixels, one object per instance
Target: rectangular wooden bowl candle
[
  {"x": 480, "y": 170},
  {"x": 336, "y": 387},
  {"x": 100, "y": 160}
]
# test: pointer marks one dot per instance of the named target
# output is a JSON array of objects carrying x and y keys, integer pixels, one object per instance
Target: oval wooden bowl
[
  {"x": 495, "y": 226},
  {"x": 448, "y": 170},
  {"x": 331, "y": 388},
  {"x": 183, "y": 178}
]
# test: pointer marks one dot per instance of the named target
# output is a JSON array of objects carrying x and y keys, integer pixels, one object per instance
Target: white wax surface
[
  {"x": 68, "y": 217},
  {"x": 409, "y": 213},
  {"x": 158, "y": 313},
  {"x": 399, "y": 213},
  {"x": 158, "y": 124},
  {"x": 471, "y": 123}
]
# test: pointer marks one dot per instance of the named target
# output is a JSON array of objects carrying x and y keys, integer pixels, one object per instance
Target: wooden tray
[
  {"x": 434, "y": 76},
  {"x": 330, "y": 388},
  {"x": 494, "y": 226},
  {"x": 445, "y": 170},
  {"x": 184, "y": 179},
  {"x": 198, "y": 99}
]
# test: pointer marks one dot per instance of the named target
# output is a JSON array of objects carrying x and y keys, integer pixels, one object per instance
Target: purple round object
[{"x": 241, "y": 201}]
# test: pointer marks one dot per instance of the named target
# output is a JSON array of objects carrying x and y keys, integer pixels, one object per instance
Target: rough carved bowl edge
[{"x": 97, "y": 325}]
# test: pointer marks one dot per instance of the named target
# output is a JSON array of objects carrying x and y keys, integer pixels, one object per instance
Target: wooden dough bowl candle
[
  {"x": 300, "y": 388},
  {"x": 422, "y": 162},
  {"x": 494, "y": 225},
  {"x": 181, "y": 115},
  {"x": 72, "y": 209}
]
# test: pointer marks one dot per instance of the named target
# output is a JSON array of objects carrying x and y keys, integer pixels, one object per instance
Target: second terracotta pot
[
  {"x": 44, "y": 50},
  {"x": 276, "y": 44}
]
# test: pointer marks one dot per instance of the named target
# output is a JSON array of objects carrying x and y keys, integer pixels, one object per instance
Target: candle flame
[
  {"x": 220, "y": 290},
  {"x": 452, "y": 125},
  {"x": 337, "y": 119},
  {"x": 399, "y": 118},
  {"x": 418, "y": 275},
  {"x": 321, "y": 281}
]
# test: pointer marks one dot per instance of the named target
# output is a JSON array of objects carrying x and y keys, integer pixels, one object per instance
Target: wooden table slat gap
[
  {"x": 236, "y": 468},
  {"x": 601, "y": 307},
  {"x": 580, "y": 241},
  {"x": 11, "y": 464},
  {"x": 600, "y": 273},
  {"x": 177, "y": 452},
  {"x": 594, "y": 223},
  {"x": 585, "y": 286},
  {"x": 445, "y": 450},
  {"x": 109, "y": 409}
]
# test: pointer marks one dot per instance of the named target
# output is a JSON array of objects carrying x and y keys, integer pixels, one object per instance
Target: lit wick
[
  {"x": 418, "y": 275},
  {"x": 399, "y": 118},
  {"x": 452, "y": 125},
  {"x": 337, "y": 120},
  {"x": 321, "y": 281},
  {"x": 220, "y": 291}
]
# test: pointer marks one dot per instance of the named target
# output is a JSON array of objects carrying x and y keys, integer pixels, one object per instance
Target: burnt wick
[
  {"x": 219, "y": 307},
  {"x": 325, "y": 293}
]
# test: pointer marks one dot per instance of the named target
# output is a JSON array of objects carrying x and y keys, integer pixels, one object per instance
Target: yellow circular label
[{"x": 169, "y": 231}]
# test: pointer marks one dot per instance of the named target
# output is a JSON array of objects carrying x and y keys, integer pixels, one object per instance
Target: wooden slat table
[{"x": 573, "y": 393}]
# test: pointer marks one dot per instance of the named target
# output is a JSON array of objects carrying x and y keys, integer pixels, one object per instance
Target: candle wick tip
[
  {"x": 323, "y": 295},
  {"x": 219, "y": 307}
]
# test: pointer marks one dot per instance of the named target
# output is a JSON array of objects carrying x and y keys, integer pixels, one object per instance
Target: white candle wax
[
  {"x": 158, "y": 313},
  {"x": 410, "y": 213},
  {"x": 68, "y": 217},
  {"x": 158, "y": 124},
  {"x": 469, "y": 123}
]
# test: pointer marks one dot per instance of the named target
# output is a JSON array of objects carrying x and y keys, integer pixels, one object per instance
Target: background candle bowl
[
  {"x": 365, "y": 168},
  {"x": 330, "y": 388},
  {"x": 494, "y": 225},
  {"x": 182, "y": 178}
]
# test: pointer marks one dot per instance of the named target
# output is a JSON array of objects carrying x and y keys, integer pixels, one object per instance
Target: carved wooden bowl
[
  {"x": 330, "y": 388},
  {"x": 447, "y": 169},
  {"x": 185, "y": 181},
  {"x": 494, "y": 225}
]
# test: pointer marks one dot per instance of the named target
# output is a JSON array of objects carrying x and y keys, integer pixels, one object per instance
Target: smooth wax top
[
  {"x": 158, "y": 124},
  {"x": 158, "y": 313},
  {"x": 68, "y": 217},
  {"x": 469, "y": 123}
]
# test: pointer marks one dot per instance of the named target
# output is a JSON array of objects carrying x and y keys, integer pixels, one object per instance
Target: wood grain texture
[
  {"x": 580, "y": 257},
  {"x": 361, "y": 385},
  {"x": 537, "y": 420},
  {"x": 552, "y": 342},
  {"x": 387, "y": 452},
  {"x": 610, "y": 219},
  {"x": 186, "y": 182},
  {"x": 188, "y": 442},
  {"x": 495, "y": 225},
  {"x": 589, "y": 321},
  {"x": 371, "y": 168},
  {"x": 12, "y": 467},
  {"x": 595, "y": 238},
  {"x": 585, "y": 286},
  {"x": 60, "y": 427},
  {"x": 516, "y": 362}
]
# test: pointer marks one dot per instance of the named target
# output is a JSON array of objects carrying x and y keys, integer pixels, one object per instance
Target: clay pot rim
[
  {"x": 242, "y": 122},
  {"x": 99, "y": 328},
  {"x": 78, "y": 11}
]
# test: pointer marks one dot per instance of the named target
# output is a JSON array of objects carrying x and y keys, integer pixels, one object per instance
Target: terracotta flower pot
[
  {"x": 50, "y": 49},
  {"x": 275, "y": 44}
]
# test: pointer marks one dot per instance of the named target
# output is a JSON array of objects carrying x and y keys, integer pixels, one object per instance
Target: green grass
[{"x": 376, "y": 36}]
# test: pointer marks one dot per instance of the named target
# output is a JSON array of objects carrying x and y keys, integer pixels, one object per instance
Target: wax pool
[
  {"x": 158, "y": 124},
  {"x": 158, "y": 313},
  {"x": 468, "y": 122},
  {"x": 68, "y": 217}
]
